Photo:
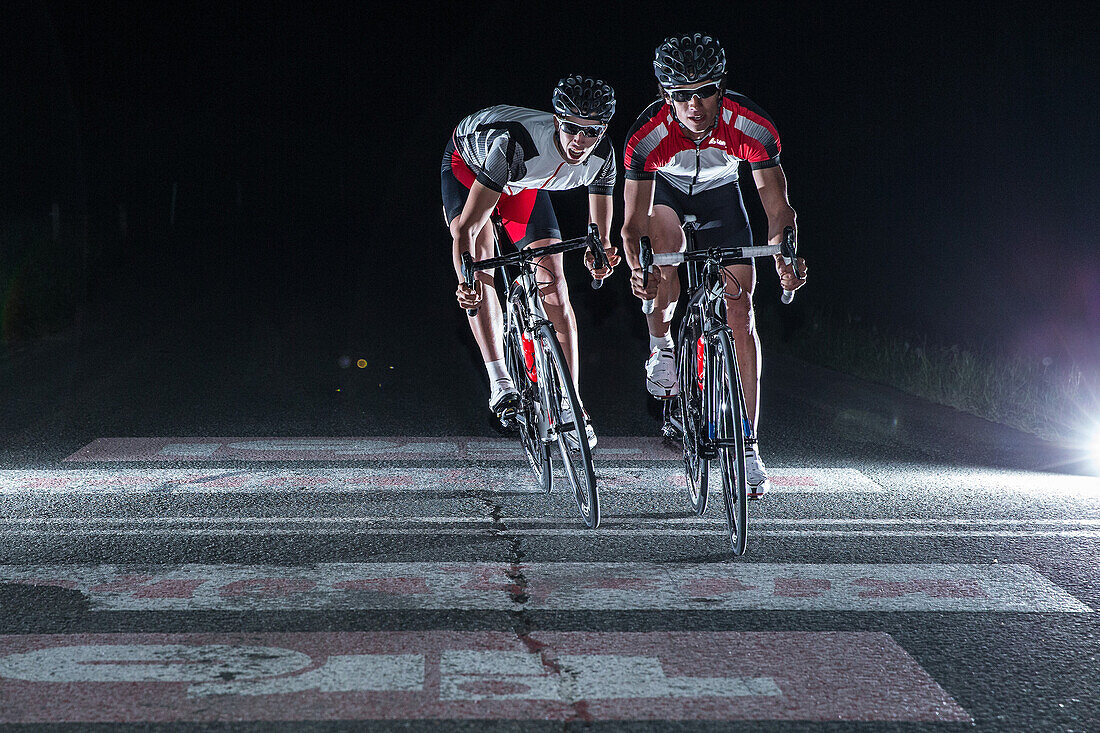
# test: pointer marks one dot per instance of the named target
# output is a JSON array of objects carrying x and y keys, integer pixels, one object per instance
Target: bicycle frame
[
  {"x": 547, "y": 390},
  {"x": 523, "y": 304},
  {"x": 522, "y": 299},
  {"x": 706, "y": 301},
  {"x": 719, "y": 428}
]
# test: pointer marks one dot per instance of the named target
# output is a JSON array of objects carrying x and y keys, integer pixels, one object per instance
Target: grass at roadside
[{"x": 1055, "y": 402}]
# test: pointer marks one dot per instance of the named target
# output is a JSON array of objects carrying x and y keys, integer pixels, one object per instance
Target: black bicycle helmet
[
  {"x": 583, "y": 96},
  {"x": 689, "y": 59}
]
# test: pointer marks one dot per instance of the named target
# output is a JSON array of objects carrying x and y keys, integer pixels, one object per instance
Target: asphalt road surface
[{"x": 211, "y": 517}]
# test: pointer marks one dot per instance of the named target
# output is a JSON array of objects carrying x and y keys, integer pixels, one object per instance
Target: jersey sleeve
[
  {"x": 753, "y": 135},
  {"x": 640, "y": 156},
  {"x": 503, "y": 163},
  {"x": 604, "y": 183}
]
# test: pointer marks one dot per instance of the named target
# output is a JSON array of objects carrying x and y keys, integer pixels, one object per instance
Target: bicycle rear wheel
[
  {"x": 557, "y": 387},
  {"x": 528, "y": 415},
  {"x": 692, "y": 413},
  {"x": 731, "y": 441}
]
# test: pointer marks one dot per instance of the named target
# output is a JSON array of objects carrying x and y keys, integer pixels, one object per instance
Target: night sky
[{"x": 942, "y": 158}]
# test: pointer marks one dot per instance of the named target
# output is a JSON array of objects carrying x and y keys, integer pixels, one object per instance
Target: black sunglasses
[
  {"x": 591, "y": 131},
  {"x": 704, "y": 92}
]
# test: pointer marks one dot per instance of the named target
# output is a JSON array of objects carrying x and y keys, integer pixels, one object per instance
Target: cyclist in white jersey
[{"x": 508, "y": 158}]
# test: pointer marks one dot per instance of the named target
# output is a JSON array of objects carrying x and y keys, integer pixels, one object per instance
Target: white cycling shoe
[
  {"x": 660, "y": 374},
  {"x": 571, "y": 433},
  {"x": 756, "y": 476}
]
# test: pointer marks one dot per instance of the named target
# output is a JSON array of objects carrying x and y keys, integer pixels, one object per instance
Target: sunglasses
[
  {"x": 591, "y": 131},
  {"x": 704, "y": 92}
]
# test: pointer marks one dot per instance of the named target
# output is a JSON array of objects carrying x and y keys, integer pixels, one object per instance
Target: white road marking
[
  {"x": 652, "y": 479},
  {"x": 391, "y": 448},
  {"x": 556, "y": 586},
  {"x": 559, "y": 532},
  {"x": 448, "y": 675},
  {"x": 624, "y": 521},
  {"x": 1087, "y": 528}
]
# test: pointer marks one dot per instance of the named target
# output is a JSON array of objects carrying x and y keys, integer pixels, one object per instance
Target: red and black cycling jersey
[
  {"x": 513, "y": 148},
  {"x": 657, "y": 144}
]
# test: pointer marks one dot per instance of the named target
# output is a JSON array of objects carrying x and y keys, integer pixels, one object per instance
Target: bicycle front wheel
[
  {"x": 528, "y": 415},
  {"x": 559, "y": 392},
  {"x": 731, "y": 440},
  {"x": 692, "y": 414}
]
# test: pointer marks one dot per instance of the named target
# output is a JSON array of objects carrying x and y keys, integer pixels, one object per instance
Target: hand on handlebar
[
  {"x": 649, "y": 290},
  {"x": 468, "y": 297},
  {"x": 613, "y": 259},
  {"x": 787, "y": 278}
]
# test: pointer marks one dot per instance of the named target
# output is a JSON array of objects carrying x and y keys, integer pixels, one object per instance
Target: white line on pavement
[
  {"x": 557, "y": 585},
  {"x": 624, "y": 521},
  {"x": 565, "y": 531}
]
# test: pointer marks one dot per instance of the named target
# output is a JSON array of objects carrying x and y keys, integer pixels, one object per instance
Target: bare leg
[{"x": 666, "y": 236}]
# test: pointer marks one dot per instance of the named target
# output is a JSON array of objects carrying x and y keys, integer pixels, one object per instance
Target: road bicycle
[
  {"x": 549, "y": 413},
  {"x": 709, "y": 414}
]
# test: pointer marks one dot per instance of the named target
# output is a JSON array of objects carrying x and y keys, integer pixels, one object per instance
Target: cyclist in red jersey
[
  {"x": 507, "y": 158},
  {"x": 682, "y": 157}
]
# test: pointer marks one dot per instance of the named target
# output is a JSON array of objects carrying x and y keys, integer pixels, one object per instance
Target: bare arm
[
  {"x": 475, "y": 215},
  {"x": 600, "y": 211},
  {"x": 464, "y": 230},
  {"x": 771, "y": 183},
  {"x": 638, "y": 200}
]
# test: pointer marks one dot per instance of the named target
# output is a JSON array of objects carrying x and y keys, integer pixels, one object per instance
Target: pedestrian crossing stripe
[
  {"x": 654, "y": 478},
  {"x": 568, "y": 586},
  {"x": 387, "y": 448}
]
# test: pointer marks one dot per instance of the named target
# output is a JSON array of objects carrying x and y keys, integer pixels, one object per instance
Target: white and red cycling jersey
[
  {"x": 657, "y": 144},
  {"x": 510, "y": 149}
]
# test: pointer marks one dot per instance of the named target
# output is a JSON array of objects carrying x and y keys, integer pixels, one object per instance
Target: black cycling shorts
[{"x": 719, "y": 214}]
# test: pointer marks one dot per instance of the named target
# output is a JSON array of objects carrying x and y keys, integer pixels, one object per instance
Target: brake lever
[
  {"x": 645, "y": 259},
  {"x": 468, "y": 277},
  {"x": 599, "y": 259},
  {"x": 789, "y": 249}
]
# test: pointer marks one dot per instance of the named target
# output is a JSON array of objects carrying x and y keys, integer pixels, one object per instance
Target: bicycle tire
[
  {"x": 558, "y": 386},
  {"x": 527, "y": 415},
  {"x": 692, "y": 416},
  {"x": 731, "y": 459}
]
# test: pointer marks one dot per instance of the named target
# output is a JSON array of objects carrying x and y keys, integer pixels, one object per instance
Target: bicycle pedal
[
  {"x": 505, "y": 426},
  {"x": 671, "y": 432}
]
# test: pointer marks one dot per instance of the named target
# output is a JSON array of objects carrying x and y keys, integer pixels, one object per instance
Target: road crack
[{"x": 522, "y": 622}]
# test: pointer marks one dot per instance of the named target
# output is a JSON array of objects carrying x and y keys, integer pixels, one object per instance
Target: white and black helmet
[
  {"x": 689, "y": 59},
  {"x": 583, "y": 96}
]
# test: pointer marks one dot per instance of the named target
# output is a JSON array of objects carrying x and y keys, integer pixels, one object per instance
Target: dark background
[{"x": 942, "y": 158}]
